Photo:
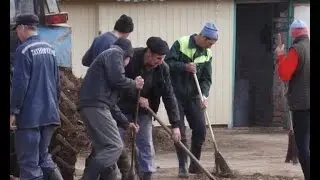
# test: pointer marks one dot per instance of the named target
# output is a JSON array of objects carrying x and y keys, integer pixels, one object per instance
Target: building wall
[{"x": 169, "y": 20}]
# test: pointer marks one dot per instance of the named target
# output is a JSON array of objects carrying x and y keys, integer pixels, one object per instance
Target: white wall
[
  {"x": 302, "y": 12},
  {"x": 169, "y": 20}
]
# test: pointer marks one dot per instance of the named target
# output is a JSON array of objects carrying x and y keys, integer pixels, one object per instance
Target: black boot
[
  {"x": 146, "y": 176},
  {"x": 54, "y": 175},
  {"x": 124, "y": 164},
  {"x": 183, "y": 160},
  {"x": 109, "y": 173},
  {"x": 196, "y": 151}
]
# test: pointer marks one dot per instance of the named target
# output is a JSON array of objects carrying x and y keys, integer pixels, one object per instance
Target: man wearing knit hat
[
  {"x": 98, "y": 108},
  {"x": 189, "y": 55},
  {"x": 122, "y": 29},
  {"x": 149, "y": 63},
  {"x": 294, "y": 68}
]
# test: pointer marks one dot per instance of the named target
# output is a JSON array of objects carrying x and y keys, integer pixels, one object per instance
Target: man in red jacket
[{"x": 295, "y": 69}]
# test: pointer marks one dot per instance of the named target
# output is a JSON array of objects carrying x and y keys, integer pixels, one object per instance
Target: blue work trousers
[
  {"x": 144, "y": 143},
  {"x": 301, "y": 128},
  {"x": 32, "y": 152}
]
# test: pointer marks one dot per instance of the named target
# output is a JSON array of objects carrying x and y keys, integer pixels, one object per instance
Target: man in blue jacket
[
  {"x": 34, "y": 101},
  {"x": 122, "y": 29},
  {"x": 99, "y": 96}
]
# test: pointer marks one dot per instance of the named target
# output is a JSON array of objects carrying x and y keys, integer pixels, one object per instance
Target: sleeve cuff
[
  {"x": 14, "y": 111},
  {"x": 176, "y": 125}
]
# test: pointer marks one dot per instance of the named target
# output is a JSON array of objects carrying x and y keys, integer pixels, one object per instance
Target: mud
[
  {"x": 73, "y": 132},
  {"x": 254, "y": 154}
]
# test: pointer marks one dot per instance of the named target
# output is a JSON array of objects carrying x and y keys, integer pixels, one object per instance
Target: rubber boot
[
  {"x": 124, "y": 165},
  {"x": 196, "y": 151},
  {"x": 109, "y": 173},
  {"x": 183, "y": 160},
  {"x": 55, "y": 175},
  {"x": 146, "y": 176}
]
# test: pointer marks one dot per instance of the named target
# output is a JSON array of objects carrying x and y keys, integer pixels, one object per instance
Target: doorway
[{"x": 255, "y": 63}]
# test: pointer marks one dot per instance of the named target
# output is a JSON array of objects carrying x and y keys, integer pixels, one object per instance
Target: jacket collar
[{"x": 300, "y": 38}]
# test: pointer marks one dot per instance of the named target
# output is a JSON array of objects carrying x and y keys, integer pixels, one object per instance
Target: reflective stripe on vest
[{"x": 184, "y": 43}]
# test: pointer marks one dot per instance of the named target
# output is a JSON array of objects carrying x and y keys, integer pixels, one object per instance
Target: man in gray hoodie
[{"x": 99, "y": 95}]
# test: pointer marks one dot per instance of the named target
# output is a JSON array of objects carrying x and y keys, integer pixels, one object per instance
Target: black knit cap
[
  {"x": 26, "y": 19},
  {"x": 124, "y": 24},
  {"x": 157, "y": 45},
  {"x": 125, "y": 45}
]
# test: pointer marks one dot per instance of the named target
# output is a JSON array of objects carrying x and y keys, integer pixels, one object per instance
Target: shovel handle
[
  {"x": 215, "y": 146},
  {"x": 186, "y": 150},
  {"x": 133, "y": 145}
]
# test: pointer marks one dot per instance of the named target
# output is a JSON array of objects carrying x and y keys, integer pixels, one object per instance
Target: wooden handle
[
  {"x": 215, "y": 146},
  {"x": 185, "y": 149}
]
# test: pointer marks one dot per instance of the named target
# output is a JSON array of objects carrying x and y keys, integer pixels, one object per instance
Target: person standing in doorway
[
  {"x": 122, "y": 29},
  {"x": 294, "y": 68},
  {"x": 189, "y": 55},
  {"x": 34, "y": 101}
]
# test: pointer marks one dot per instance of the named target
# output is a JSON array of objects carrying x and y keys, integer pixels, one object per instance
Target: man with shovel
[
  {"x": 295, "y": 69},
  {"x": 99, "y": 94},
  {"x": 149, "y": 63},
  {"x": 189, "y": 55}
]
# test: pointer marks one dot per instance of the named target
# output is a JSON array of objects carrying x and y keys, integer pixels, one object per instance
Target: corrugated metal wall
[
  {"x": 169, "y": 20},
  {"x": 83, "y": 22}
]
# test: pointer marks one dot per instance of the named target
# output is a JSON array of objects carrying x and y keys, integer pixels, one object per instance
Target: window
[{"x": 52, "y": 6}]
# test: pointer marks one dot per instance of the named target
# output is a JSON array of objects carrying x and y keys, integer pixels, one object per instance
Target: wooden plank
[
  {"x": 68, "y": 101},
  {"x": 66, "y": 121},
  {"x": 64, "y": 164},
  {"x": 66, "y": 143}
]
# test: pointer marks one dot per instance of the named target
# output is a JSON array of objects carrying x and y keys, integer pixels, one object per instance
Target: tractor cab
[{"x": 53, "y": 26}]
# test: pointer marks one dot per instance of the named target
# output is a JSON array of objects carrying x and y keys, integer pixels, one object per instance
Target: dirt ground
[{"x": 253, "y": 154}]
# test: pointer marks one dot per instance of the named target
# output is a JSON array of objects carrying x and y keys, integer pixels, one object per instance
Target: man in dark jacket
[
  {"x": 122, "y": 29},
  {"x": 189, "y": 55},
  {"x": 34, "y": 101},
  {"x": 99, "y": 111},
  {"x": 148, "y": 62},
  {"x": 295, "y": 69}
]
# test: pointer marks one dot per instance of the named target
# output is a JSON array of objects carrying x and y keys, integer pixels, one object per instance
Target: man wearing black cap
[
  {"x": 99, "y": 111},
  {"x": 123, "y": 27},
  {"x": 149, "y": 63},
  {"x": 34, "y": 101},
  {"x": 187, "y": 56}
]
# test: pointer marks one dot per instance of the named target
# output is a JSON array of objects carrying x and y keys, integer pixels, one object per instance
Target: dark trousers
[
  {"x": 301, "y": 128},
  {"x": 106, "y": 142},
  {"x": 191, "y": 108},
  {"x": 14, "y": 167},
  {"x": 32, "y": 152}
]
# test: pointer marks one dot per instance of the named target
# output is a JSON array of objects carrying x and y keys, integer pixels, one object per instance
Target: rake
[{"x": 222, "y": 167}]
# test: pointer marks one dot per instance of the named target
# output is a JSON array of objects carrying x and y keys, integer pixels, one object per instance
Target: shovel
[
  {"x": 222, "y": 167},
  {"x": 133, "y": 172},
  {"x": 185, "y": 149}
]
